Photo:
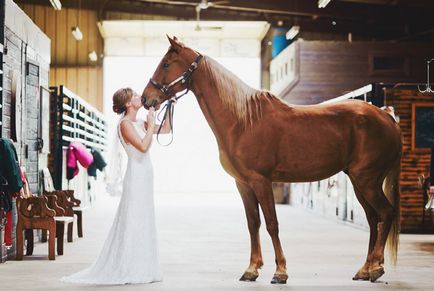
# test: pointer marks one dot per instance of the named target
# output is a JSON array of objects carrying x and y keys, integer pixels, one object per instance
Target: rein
[{"x": 168, "y": 108}]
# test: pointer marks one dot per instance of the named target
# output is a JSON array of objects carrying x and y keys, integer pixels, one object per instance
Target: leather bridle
[
  {"x": 184, "y": 79},
  {"x": 166, "y": 89}
]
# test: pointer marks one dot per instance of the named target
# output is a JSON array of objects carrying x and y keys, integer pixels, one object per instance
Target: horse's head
[{"x": 171, "y": 75}]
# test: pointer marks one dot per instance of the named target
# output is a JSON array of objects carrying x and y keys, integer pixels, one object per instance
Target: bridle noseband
[{"x": 166, "y": 89}]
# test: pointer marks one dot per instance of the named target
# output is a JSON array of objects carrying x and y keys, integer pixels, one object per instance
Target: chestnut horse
[{"x": 263, "y": 139}]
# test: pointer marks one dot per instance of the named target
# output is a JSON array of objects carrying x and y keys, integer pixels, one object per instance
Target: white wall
[{"x": 190, "y": 163}]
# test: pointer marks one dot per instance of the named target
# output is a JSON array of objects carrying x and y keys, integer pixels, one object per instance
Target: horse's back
[{"x": 320, "y": 140}]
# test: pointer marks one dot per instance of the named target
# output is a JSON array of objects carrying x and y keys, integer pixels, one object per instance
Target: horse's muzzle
[
  {"x": 149, "y": 103},
  {"x": 144, "y": 100}
]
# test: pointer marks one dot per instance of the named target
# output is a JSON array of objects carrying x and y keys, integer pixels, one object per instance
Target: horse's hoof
[
  {"x": 248, "y": 277},
  {"x": 376, "y": 273},
  {"x": 279, "y": 279},
  {"x": 363, "y": 276}
]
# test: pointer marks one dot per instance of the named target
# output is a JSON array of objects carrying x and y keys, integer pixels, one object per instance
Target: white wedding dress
[{"x": 130, "y": 252}]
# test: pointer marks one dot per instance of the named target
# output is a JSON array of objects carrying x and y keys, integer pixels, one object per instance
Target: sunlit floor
[{"x": 204, "y": 245}]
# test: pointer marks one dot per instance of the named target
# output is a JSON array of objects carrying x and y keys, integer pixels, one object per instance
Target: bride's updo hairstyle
[{"x": 120, "y": 99}]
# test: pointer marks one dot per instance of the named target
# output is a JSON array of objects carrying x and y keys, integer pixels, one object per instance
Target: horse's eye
[{"x": 165, "y": 65}]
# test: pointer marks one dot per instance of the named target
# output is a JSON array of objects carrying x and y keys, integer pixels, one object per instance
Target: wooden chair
[
  {"x": 77, "y": 210},
  {"x": 34, "y": 213},
  {"x": 76, "y": 207},
  {"x": 65, "y": 215},
  {"x": 61, "y": 220}
]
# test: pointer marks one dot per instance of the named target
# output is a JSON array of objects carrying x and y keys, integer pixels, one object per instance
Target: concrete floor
[{"x": 204, "y": 245}]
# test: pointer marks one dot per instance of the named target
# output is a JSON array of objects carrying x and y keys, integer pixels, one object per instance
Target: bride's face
[{"x": 135, "y": 101}]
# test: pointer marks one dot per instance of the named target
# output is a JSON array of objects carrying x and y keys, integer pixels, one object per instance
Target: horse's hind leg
[
  {"x": 371, "y": 216},
  {"x": 264, "y": 194},
  {"x": 254, "y": 222},
  {"x": 373, "y": 193}
]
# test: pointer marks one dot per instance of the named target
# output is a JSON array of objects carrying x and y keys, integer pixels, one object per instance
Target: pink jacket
[{"x": 78, "y": 152}]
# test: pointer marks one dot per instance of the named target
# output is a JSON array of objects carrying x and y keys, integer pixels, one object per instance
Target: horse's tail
[{"x": 391, "y": 189}]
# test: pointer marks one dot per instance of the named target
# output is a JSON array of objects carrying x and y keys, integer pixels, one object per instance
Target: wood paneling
[
  {"x": 84, "y": 81},
  {"x": 328, "y": 69},
  {"x": 71, "y": 42},
  {"x": 414, "y": 161},
  {"x": 57, "y": 25},
  {"x": 110, "y": 15},
  {"x": 70, "y": 64}
]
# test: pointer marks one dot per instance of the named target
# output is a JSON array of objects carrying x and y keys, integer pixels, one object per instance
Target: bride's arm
[
  {"x": 130, "y": 136},
  {"x": 165, "y": 128},
  {"x": 166, "y": 124}
]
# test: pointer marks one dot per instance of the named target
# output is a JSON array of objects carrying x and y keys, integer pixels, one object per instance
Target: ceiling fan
[
  {"x": 204, "y": 4},
  {"x": 199, "y": 6}
]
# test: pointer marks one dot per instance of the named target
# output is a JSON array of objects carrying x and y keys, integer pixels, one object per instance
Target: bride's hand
[{"x": 150, "y": 119}]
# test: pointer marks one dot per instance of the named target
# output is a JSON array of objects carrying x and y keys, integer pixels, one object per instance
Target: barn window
[{"x": 388, "y": 64}]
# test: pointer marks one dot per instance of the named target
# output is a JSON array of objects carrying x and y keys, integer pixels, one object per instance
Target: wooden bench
[{"x": 34, "y": 213}]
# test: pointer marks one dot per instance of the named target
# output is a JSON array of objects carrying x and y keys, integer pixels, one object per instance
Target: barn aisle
[{"x": 204, "y": 245}]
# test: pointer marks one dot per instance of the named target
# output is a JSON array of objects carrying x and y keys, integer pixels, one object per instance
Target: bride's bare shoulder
[{"x": 125, "y": 125}]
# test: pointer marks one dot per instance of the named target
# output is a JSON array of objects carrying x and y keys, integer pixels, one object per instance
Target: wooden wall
[
  {"x": 111, "y": 15},
  {"x": 415, "y": 161},
  {"x": 328, "y": 69},
  {"x": 70, "y": 64},
  {"x": 85, "y": 81},
  {"x": 25, "y": 74}
]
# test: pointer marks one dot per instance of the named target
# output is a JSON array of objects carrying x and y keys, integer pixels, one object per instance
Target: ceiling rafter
[{"x": 380, "y": 19}]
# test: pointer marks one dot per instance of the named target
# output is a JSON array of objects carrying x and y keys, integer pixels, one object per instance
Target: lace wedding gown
[{"x": 130, "y": 252}]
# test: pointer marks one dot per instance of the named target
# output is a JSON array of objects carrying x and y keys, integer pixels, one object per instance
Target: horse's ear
[{"x": 176, "y": 45}]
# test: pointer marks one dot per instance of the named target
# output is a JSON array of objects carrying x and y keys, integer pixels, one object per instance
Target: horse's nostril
[{"x": 143, "y": 99}]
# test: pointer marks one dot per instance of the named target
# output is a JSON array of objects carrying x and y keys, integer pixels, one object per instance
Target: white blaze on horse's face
[{"x": 170, "y": 68}]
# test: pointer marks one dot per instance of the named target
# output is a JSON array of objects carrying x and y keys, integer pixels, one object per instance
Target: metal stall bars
[{"x": 75, "y": 120}]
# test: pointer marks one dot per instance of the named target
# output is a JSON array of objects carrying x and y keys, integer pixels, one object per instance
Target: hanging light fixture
[
  {"x": 75, "y": 30},
  {"x": 93, "y": 56},
  {"x": 323, "y": 3},
  {"x": 56, "y": 4},
  {"x": 295, "y": 29}
]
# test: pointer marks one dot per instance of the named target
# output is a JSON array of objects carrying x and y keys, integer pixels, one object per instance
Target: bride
[{"x": 130, "y": 252}]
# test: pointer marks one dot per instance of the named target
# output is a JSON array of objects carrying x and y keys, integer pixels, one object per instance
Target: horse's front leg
[
  {"x": 264, "y": 194},
  {"x": 254, "y": 221}
]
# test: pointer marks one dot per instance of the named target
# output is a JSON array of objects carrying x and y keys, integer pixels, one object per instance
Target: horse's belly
[
  {"x": 306, "y": 169},
  {"x": 302, "y": 176}
]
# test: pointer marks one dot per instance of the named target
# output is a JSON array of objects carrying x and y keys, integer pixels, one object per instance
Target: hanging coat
[
  {"x": 98, "y": 163},
  {"x": 77, "y": 152},
  {"x": 9, "y": 172}
]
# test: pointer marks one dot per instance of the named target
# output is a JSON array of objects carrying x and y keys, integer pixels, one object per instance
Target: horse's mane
[{"x": 241, "y": 99}]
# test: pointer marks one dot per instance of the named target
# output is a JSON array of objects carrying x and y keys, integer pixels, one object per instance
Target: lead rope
[{"x": 169, "y": 109}]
